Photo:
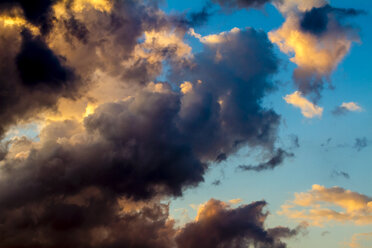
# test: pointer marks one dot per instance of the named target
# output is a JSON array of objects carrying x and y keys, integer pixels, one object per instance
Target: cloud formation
[
  {"x": 317, "y": 207},
  {"x": 347, "y": 107},
  {"x": 219, "y": 225},
  {"x": 308, "y": 109},
  {"x": 113, "y": 140},
  {"x": 315, "y": 34},
  {"x": 273, "y": 162}
]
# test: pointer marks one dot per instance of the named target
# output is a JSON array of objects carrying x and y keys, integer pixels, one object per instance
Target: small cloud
[
  {"x": 186, "y": 87},
  {"x": 336, "y": 173},
  {"x": 235, "y": 201},
  {"x": 328, "y": 141},
  {"x": 347, "y": 107},
  {"x": 325, "y": 233},
  {"x": 360, "y": 143},
  {"x": 274, "y": 162},
  {"x": 216, "y": 182},
  {"x": 308, "y": 109}
]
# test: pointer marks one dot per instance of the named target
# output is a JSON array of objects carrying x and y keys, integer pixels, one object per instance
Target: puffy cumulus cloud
[
  {"x": 308, "y": 109},
  {"x": 224, "y": 112},
  {"x": 219, "y": 225},
  {"x": 273, "y": 162},
  {"x": 315, "y": 34},
  {"x": 347, "y": 107},
  {"x": 91, "y": 53},
  {"x": 320, "y": 206},
  {"x": 233, "y": 4}
]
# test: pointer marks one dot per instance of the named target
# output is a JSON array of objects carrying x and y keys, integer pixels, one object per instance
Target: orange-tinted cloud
[{"x": 321, "y": 205}]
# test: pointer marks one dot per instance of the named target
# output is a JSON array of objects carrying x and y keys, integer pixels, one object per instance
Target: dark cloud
[
  {"x": 232, "y": 4},
  {"x": 37, "y": 12},
  {"x": 38, "y": 66},
  {"x": 32, "y": 77},
  {"x": 274, "y": 162},
  {"x": 201, "y": 17},
  {"x": 360, "y": 143},
  {"x": 336, "y": 173},
  {"x": 220, "y": 226},
  {"x": 316, "y": 20},
  {"x": 227, "y": 93}
]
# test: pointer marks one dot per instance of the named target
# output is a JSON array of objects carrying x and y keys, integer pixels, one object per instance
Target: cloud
[
  {"x": 240, "y": 4},
  {"x": 358, "y": 238},
  {"x": 308, "y": 109},
  {"x": 360, "y": 143},
  {"x": 318, "y": 207},
  {"x": 316, "y": 47},
  {"x": 114, "y": 142},
  {"x": 343, "y": 174},
  {"x": 347, "y": 107},
  {"x": 274, "y": 162},
  {"x": 219, "y": 225}
]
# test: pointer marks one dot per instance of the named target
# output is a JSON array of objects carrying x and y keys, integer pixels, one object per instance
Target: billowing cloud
[
  {"x": 315, "y": 34},
  {"x": 219, "y": 225},
  {"x": 346, "y": 107},
  {"x": 113, "y": 140},
  {"x": 318, "y": 206},
  {"x": 308, "y": 109}
]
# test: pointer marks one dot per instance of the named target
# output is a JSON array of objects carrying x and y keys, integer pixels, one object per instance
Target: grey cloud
[
  {"x": 274, "y": 162},
  {"x": 233, "y": 228}
]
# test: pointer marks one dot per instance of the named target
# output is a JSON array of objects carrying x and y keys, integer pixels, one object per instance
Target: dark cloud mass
[
  {"x": 274, "y": 162},
  {"x": 232, "y": 4},
  {"x": 38, "y": 65},
  {"x": 220, "y": 226},
  {"x": 316, "y": 20},
  {"x": 97, "y": 182}
]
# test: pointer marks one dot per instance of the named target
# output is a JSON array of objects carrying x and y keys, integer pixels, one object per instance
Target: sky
[{"x": 183, "y": 124}]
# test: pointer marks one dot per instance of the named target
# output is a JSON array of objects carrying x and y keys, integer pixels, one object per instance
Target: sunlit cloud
[
  {"x": 315, "y": 47},
  {"x": 322, "y": 205},
  {"x": 347, "y": 107},
  {"x": 360, "y": 240},
  {"x": 308, "y": 109}
]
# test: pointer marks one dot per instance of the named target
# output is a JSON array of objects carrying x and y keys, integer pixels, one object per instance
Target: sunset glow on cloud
[{"x": 172, "y": 124}]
